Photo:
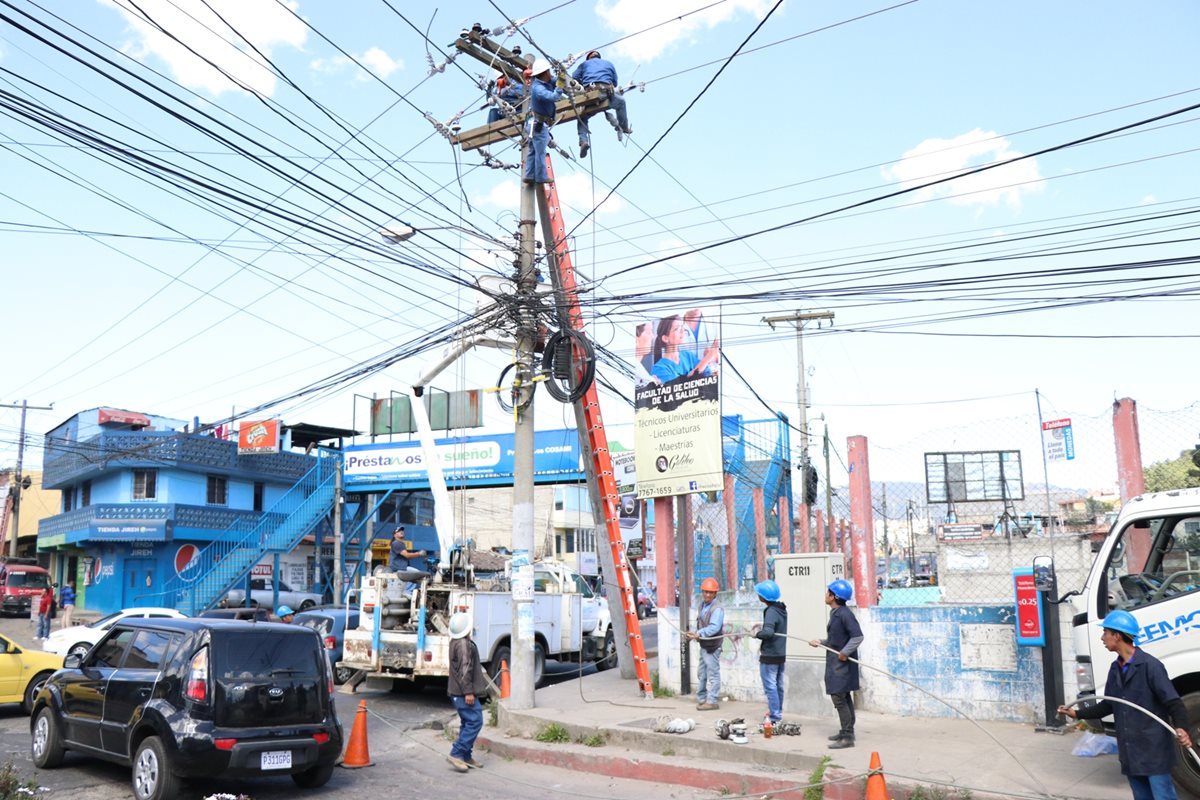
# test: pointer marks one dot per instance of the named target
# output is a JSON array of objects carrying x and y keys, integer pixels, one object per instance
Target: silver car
[{"x": 262, "y": 593}]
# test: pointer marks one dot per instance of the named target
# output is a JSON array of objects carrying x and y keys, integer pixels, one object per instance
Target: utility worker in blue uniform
[
  {"x": 772, "y": 656},
  {"x": 842, "y": 636},
  {"x": 511, "y": 93},
  {"x": 1145, "y": 748},
  {"x": 596, "y": 73},
  {"x": 543, "y": 97}
]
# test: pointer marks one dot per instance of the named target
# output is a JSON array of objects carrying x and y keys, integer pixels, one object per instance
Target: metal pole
[
  {"x": 684, "y": 542},
  {"x": 828, "y": 483},
  {"x": 522, "y": 666},
  {"x": 337, "y": 534},
  {"x": 1045, "y": 478}
]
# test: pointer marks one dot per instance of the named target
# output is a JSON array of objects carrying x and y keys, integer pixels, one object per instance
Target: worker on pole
[{"x": 543, "y": 96}]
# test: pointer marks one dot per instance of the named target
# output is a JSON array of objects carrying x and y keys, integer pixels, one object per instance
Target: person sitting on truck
[
  {"x": 1144, "y": 747},
  {"x": 400, "y": 558}
]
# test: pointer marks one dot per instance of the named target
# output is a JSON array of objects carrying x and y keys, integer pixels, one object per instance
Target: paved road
[{"x": 406, "y": 743}]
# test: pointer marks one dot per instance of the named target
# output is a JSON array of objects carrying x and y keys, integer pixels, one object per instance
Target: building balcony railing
[
  {"x": 52, "y": 530},
  {"x": 66, "y": 463}
]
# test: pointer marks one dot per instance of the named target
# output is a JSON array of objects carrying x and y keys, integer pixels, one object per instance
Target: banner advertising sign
[
  {"x": 1058, "y": 438},
  {"x": 677, "y": 417},
  {"x": 467, "y": 460},
  {"x": 625, "y": 475},
  {"x": 128, "y": 530},
  {"x": 259, "y": 436},
  {"x": 1030, "y": 627}
]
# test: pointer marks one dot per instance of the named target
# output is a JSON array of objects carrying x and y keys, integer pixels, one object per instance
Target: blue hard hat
[
  {"x": 284, "y": 611},
  {"x": 1122, "y": 622},
  {"x": 768, "y": 590},
  {"x": 841, "y": 589}
]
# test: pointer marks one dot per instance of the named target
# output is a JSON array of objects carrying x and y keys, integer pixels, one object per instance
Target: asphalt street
[{"x": 406, "y": 743}]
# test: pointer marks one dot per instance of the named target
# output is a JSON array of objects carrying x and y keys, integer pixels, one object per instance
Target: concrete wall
[{"x": 963, "y": 654}]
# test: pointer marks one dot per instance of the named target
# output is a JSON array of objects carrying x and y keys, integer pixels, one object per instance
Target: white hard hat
[
  {"x": 540, "y": 65},
  {"x": 460, "y": 625}
]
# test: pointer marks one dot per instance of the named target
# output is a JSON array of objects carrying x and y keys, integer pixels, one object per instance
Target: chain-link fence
[{"x": 966, "y": 549}]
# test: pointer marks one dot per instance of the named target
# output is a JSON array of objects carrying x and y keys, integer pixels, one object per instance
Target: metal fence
[{"x": 969, "y": 549}]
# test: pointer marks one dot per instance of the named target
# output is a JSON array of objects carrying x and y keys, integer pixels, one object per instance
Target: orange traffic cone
[
  {"x": 357, "y": 753},
  {"x": 876, "y": 786},
  {"x": 505, "y": 680}
]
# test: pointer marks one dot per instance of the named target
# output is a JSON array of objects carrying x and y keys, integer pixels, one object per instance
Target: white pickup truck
[{"x": 404, "y": 637}]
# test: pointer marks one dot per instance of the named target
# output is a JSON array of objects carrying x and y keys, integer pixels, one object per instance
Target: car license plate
[{"x": 277, "y": 759}]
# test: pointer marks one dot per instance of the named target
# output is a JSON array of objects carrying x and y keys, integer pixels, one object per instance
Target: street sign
[{"x": 635, "y": 549}]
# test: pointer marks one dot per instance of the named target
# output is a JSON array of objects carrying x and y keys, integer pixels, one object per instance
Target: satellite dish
[{"x": 26, "y": 482}]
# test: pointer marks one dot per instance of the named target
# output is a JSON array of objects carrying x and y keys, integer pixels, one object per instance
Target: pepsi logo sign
[{"x": 187, "y": 561}]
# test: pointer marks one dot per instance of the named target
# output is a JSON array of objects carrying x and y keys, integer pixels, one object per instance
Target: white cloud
[
  {"x": 669, "y": 247},
  {"x": 1149, "y": 200},
  {"x": 375, "y": 59},
  {"x": 574, "y": 191},
  {"x": 939, "y": 158},
  {"x": 630, "y": 16},
  {"x": 263, "y": 22}
]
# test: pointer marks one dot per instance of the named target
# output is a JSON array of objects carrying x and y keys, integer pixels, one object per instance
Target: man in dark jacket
[
  {"x": 842, "y": 638},
  {"x": 466, "y": 687},
  {"x": 1145, "y": 748},
  {"x": 772, "y": 656}
]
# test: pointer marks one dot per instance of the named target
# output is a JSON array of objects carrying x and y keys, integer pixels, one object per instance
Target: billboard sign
[
  {"x": 467, "y": 460},
  {"x": 1058, "y": 440},
  {"x": 260, "y": 436},
  {"x": 974, "y": 477},
  {"x": 677, "y": 402}
]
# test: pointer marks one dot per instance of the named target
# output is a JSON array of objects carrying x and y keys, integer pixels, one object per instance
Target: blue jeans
[
  {"x": 617, "y": 104},
  {"x": 772, "y": 682},
  {"x": 535, "y": 158},
  {"x": 43, "y": 627},
  {"x": 709, "y": 675},
  {"x": 470, "y": 718},
  {"x": 1152, "y": 787}
]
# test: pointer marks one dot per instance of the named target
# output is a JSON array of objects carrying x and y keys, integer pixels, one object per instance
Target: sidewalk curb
[{"x": 648, "y": 769}]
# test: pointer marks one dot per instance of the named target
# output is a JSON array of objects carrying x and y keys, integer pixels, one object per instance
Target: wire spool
[{"x": 569, "y": 364}]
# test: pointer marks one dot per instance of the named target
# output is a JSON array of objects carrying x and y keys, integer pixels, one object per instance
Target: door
[
  {"x": 139, "y": 583},
  {"x": 131, "y": 685},
  {"x": 83, "y": 696},
  {"x": 10, "y": 671}
]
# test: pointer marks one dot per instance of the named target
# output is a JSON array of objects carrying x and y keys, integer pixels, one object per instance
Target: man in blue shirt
[
  {"x": 543, "y": 97},
  {"x": 596, "y": 73},
  {"x": 512, "y": 94}
]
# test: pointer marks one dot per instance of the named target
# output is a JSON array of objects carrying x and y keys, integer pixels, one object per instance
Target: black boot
[
  {"x": 842, "y": 744},
  {"x": 836, "y": 736}
]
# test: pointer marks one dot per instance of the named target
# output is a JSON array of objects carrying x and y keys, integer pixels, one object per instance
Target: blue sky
[{"x": 195, "y": 307}]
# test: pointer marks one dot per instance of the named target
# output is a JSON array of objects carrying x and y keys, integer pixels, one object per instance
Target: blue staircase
[
  {"x": 227, "y": 561},
  {"x": 762, "y": 461}
]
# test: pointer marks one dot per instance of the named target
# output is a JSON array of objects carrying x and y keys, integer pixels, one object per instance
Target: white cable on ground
[{"x": 1191, "y": 750}]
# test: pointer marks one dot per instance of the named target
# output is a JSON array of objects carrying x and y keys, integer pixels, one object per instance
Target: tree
[{"x": 1179, "y": 473}]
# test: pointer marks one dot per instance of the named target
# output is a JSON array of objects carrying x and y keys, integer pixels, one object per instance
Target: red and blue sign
[
  {"x": 187, "y": 561},
  {"x": 1031, "y": 626}
]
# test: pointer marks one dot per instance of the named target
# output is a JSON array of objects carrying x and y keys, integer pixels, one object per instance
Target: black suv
[{"x": 182, "y": 698}]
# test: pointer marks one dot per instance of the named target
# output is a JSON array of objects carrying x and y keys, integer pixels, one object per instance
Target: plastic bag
[{"x": 1094, "y": 744}]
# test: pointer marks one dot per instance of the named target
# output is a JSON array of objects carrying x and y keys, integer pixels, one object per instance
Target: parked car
[
  {"x": 78, "y": 639},
  {"x": 262, "y": 593},
  {"x": 21, "y": 580},
  {"x": 255, "y": 614},
  {"x": 194, "y": 698},
  {"x": 330, "y": 623},
  {"x": 646, "y": 606},
  {"x": 22, "y": 672}
]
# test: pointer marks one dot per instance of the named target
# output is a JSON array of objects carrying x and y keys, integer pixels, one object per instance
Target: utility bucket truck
[
  {"x": 404, "y": 617},
  {"x": 1149, "y": 565}
]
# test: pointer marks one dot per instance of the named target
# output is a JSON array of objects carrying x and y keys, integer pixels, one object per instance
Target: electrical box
[{"x": 803, "y": 579}]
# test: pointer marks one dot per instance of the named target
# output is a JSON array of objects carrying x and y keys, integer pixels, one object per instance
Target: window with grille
[
  {"x": 218, "y": 490},
  {"x": 145, "y": 484}
]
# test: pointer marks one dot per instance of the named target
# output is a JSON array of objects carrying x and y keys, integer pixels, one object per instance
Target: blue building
[{"x": 155, "y": 515}]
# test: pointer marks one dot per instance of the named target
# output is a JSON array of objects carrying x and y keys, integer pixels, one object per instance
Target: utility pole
[
  {"x": 798, "y": 319},
  {"x": 522, "y": 685},
  {"x": 18, "y": 479},
  {"x": 337, "y": 533},
  {"x": 828, "y": 484}
]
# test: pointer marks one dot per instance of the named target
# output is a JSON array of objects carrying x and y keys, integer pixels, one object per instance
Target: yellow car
[{"x": 22, "y": 672}]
